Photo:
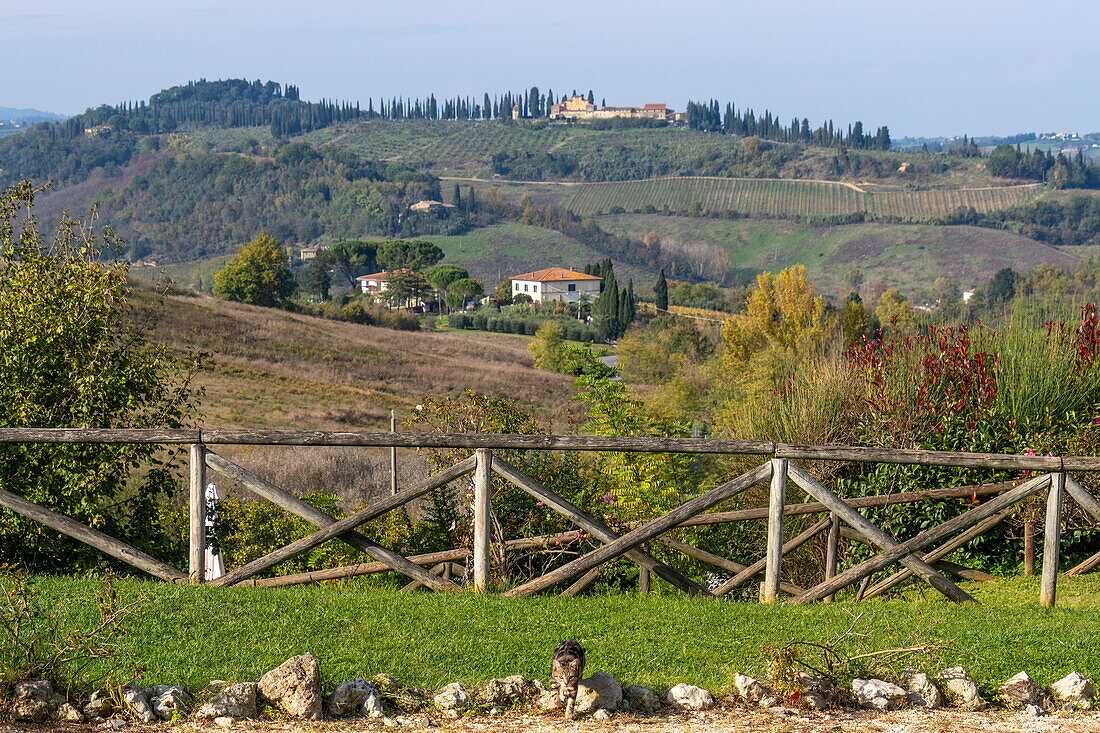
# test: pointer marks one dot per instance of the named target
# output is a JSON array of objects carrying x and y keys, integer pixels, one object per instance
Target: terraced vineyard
[
  {"x": 923, "y": 205},
  {"x": 755, "y": 197},
  {"x": 785, "y": 198}
]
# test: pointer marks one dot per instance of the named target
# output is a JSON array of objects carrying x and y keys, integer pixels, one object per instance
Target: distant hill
[{"x": 13, "y": 119}]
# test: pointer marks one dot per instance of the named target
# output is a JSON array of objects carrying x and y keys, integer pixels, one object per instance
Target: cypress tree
[
  {"x": 661, "y": 290},
  {"x": 457, "y": 198}
]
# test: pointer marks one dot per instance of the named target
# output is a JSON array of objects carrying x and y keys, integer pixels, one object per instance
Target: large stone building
[
  {"x": 579, "y": 108},
  {"x": 556, "y": 283}
]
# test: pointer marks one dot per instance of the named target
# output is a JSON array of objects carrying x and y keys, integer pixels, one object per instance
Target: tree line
[{"x": 708, "y": 117}]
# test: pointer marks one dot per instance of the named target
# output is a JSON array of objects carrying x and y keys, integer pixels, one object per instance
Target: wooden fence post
[
  {"x": 769, "y": 589},
  {"x": 481, "y": 518},
  {"x": 1029, "y": 548},
  {"x": 393, "y": 455},
  {"x": 831, "y": 552},
  {"x": 643, "y": 579},
  {"x": 196, "y": 566},
  {"x": 1052, "y": 537}
]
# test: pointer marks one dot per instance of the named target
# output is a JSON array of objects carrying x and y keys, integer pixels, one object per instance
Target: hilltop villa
[
  {"x": 556, "y": 283},
  {"x": 579, "y": 108},
  {"x": 374, "y": 284}
]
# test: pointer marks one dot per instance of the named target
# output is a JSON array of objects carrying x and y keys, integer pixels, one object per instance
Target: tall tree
[
  {"x": 661, "y": 292},
  {"x": 258, "y": 274}
]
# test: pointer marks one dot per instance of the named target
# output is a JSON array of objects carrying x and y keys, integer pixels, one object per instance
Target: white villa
[
  {"x": 374, "y": 284},
  {"x": 556, "y": 283}
]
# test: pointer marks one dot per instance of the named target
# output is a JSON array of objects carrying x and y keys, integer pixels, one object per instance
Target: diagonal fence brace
[
  {"x": 331, "y": 529},
  {"x": 929, "y": 536},
  {"x": 593, "y": 526},
  {"x": 646, "y": 532}
]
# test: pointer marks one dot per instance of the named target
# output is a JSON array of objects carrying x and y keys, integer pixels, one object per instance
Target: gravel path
[{"x": 718, "y": 721}]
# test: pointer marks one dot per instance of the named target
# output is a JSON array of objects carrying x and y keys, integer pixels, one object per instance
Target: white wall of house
[{"x": 568, "y": 291}]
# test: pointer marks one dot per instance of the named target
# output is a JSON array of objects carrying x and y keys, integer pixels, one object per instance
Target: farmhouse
[
  {"x": 556, "y": 283},
  {"x": 431, "y": 205},
  {"x": 374, "y": 284},
  {"x": 310, "y": 253}
]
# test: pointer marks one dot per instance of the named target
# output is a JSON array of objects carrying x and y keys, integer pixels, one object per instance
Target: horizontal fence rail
[{"x": 922, "y": 556}]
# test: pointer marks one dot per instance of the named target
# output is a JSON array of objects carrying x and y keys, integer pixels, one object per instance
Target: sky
[{"x": 925, "y": 68}]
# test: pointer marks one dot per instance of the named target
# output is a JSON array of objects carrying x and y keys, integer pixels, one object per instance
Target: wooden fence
[{"x": 777, "y": 468}]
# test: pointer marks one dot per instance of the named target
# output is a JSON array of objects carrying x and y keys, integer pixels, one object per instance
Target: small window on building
[
  {"x": 515, "y": 286},
  {"x": 572, "y": 287},
  {"x": 535, "y": 288},
  {"x": 525, "y": 287}
]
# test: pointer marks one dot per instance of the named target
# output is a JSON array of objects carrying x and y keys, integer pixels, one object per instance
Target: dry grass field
[{"x": 273, "y": 369}]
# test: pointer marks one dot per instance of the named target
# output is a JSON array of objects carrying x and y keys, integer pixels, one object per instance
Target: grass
[
  {"x": 497, "y": 252},
  {"x": 273, "y": 369},
  {"x": 905, "y": 256},
  {"x": 192, "y": 635}
]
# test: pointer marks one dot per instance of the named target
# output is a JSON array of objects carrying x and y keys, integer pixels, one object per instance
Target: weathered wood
[
  {"x": 722, "y": 562},
  {"x": 1029, "y": 548},
  {"x": 330, "y": 529},
  {"x": 1052, "y": 539},
  {"x": 1083, "y": 497},
  {"x": 1086, "y": 566},
  {"x": 353, "y": 571},
  {"x": 773, "y": 554},
  {"x": 99, "y": 435},
  {"x": 816, "y": 507},
  {"x": 927, "y": 537},
  {"x": 393, "y": 455},
  {"x": 862, "y": 588},
  {"x": 917, "y": 457},
  {"x": 747, "y": 573},
  {"x": 482, "y": 486},
  {"x": 92, "y": 537},
  {"x": 582, "y": 582},
  {"x": 643, "y": 580},
  {"x": 593, "y": 526},
  {"x": 832, "y": 547},
  {"x": 414, "y": 585},
  {"x": 962, "y": 571},
  {"x": 647, "y": 444},
  {"x": 646, "y": 532},
  {"x": 196, "y": 504},
  {"x": 942, "y": 551},
  {"x": 882, "y": 540}
]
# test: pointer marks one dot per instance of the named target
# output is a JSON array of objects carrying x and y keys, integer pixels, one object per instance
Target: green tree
[
  {"x": 70, "y": 356},
  {"x": 547, "y": 348},
  {"x": 351, "y": 259},
  {"x": 405, "y": 287},
  {"x": 503, "y": 293},
  {"x": 316, "y": 280},
  {"x": 440, "y": 277},
  {"x": 462, "y": 291},
  {"x": 661, "y": 291},
  {"x": 413, "y": 254},
  {"x": 258, "y": 275}
]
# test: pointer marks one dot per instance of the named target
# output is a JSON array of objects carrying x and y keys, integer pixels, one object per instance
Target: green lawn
[{"x": 193, "y": 635}]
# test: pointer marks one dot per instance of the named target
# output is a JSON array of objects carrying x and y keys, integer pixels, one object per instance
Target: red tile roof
[{"x": 551, "y": 274}]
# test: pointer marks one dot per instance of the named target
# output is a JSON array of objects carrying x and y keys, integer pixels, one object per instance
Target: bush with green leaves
[
  {"x": 258, "y": 275},
  {"x": 70, "y": 357}
]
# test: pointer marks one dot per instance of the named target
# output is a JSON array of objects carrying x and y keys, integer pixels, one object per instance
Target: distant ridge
[{"x": 29, "y": 115}]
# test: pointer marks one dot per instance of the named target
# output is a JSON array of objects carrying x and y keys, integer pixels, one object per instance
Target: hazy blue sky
[{"x": 923, "y": 68}]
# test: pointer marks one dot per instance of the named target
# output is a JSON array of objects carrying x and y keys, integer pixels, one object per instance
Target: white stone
[
  {"x": 224, "y": 721},
  {"x": 1075, "y": 690},
  {"x": 452, "y": 697},
  {"x": 116, "y": 724},
  {"x": 1033, "y": 711},
  {"x": 30, "y": 710},
  {"x": 961, "y": 691},
  {"x": 600, "y": 691},
  {"x": 506, "y": 691},
  {"x": 139, "y": 704},
  {"x": 601, "y": 714},
  {"x": 168, "y": 700},
  {"x": 877, "y": 694},
  {"x": 496, "y": 712},
  {"x": 548, "y": 700},
  {"x": 295, "y": 687},
  {"x": 923, "y": 693},
  {"x": 235, "y": 701},
  {"x": 689, "y": 697},
  {"x": 100, "y": 705},
  {"x": 642, "y": 699},
  {"x": 36, "y": 690},
  {"x": 350, "y": 697},
  {"x": 69, "y": 713},
  {"x": 753, "y": 692},
  {"x": 1020, "y": 690}
]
